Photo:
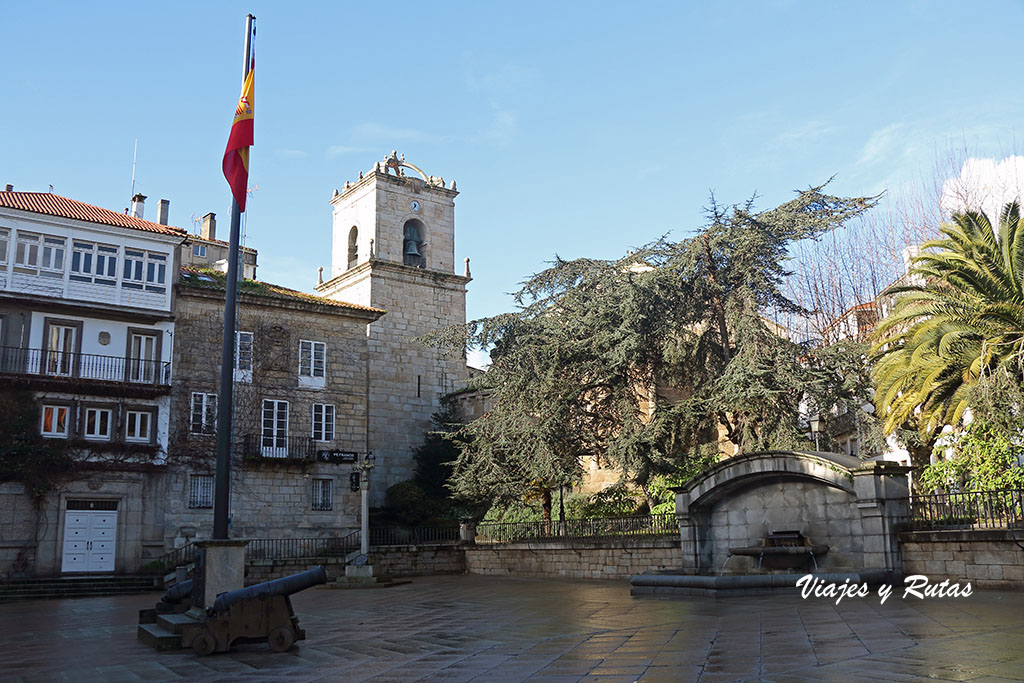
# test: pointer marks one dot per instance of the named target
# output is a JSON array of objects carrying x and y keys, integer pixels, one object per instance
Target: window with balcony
[
  {"x": 97, "y": 425},
  {"x": 139, "y": 426},
  {"x": 143, "y": 356},
  {"x": 323, "y": 422},
  {"x": 200, "y": 491},
  {"x": 63, "y": 340},
  {"x": 93, "y": 263},
  {"x": 56, "y": 421},
  {"x": 274, "y": 434},
  {"x": 312, "y": 363},
  {"x": 323, "y": 494},
  {"x": 243, "y": 357},
  {"x": 203, "y": 413}
]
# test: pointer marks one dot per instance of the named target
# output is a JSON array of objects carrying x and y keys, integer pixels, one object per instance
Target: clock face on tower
[{"x": 414, "y": 205}]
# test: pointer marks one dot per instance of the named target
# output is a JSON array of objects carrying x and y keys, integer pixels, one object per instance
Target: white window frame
[
  {"x": 312, "y": 370},
  {"x": 156, "y": 271},
  {"x": 243, "y": 356},
  {"x": 5, "y": 244},
  {"x": 322, "y": 494},
  {"x": 133, "y": 269},
  {"x": 56, "y": 409},
  {"x": 143, "y": 357},
  {"x": 92, "y": 262},
  {"x": 93, "y": 427},
  {"x": 200, "y": 491},
  {"x": 207, "y": 413},
  {"x": 39, "y": 252},
  {"x": 274, "y": 432},
  {"x": 323, "y": 421},
  {"x": 135, "y": 419},
  {"x": 199, "y": 250}
]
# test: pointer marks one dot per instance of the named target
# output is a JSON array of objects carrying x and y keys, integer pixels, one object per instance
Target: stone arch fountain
[{"x": 752, "y": 517}]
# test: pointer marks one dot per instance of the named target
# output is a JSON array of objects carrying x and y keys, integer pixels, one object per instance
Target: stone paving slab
[{"x": 484, "y": 629}]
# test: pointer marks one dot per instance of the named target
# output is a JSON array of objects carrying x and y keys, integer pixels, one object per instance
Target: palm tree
[{"x": 960, "y": 318}]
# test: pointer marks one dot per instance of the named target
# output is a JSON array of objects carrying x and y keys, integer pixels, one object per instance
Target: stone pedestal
[{"x": 221, "y": 569}]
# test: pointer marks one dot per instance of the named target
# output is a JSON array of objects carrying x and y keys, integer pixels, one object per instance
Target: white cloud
[
  {"x": 984, "y": 184},
  {"x": 881, "y": 145},
  {"x": 335, "y": 151}
]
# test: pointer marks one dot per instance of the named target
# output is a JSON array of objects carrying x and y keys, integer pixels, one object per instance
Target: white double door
[{"x": 89, "y": 537}]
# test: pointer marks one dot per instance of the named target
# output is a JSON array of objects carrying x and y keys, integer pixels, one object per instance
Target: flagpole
[{"x": 225, "y": 399}]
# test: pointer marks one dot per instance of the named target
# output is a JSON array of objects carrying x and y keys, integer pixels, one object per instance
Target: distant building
[
  {"x": 86, "y": 329},
  {"x": 206, "y": 251}
]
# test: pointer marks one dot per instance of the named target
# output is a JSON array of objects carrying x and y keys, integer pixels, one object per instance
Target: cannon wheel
[
  {"x": 281, "y": 639},
  {"x": 204, "y": 643}
]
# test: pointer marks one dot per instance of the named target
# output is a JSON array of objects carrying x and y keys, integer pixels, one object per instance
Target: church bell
[{"x": 411, "y": 249}]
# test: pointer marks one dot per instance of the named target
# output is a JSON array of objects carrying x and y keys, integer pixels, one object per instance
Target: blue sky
[{"x": 581, "y": 129}]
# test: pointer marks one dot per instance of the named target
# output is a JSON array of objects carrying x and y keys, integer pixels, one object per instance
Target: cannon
[{"x": 254, "y": 614}]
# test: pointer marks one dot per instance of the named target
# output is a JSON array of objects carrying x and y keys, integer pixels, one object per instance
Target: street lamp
[
  {"x": 364, "y": 467},
  {"x": 815, "y": 424}
]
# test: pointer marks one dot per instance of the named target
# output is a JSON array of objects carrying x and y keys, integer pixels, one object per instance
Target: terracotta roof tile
[
  {"x": 62, "y": 207},
  {"x": 205, "y": 278}
]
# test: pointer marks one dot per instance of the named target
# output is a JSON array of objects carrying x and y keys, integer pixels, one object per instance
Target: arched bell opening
[
  {"x": 353, "y": 247},
  {"x": 413, "y": 247}
]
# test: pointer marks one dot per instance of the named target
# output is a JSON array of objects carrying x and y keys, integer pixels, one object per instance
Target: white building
[{"x": 86, "y": 334}]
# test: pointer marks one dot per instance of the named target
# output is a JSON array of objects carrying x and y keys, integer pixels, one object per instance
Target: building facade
[
  {"x": 300, "y": 407},
  {"x": 86, "y": 332}
]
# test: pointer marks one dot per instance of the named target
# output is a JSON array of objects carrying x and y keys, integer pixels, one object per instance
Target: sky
[{"x": 574, "y": 128}]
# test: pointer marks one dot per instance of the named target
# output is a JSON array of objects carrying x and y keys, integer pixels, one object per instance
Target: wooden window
[
  {"x": 312, "y": 361},
  {"x": 243, "y": 357},
  {"x": 139, "y": 425},
  {"x": 5, "y": 243},
  {"x": 274, "y": 437},
  {"x": 98, "y": 424},
  {"x": 143, "y": 355},
  {"x": 203, "y": 414},
  {"x": 93, "y": 263},
  {"x": 56, "y": 421},
  {"x": 323, "y": 422}
]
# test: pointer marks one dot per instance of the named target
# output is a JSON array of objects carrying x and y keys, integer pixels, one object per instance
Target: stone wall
[
  {"x": 988, "y": 558},
  {"x": 422, "y": 560},
  {"x": 611, "y": 559},
  {"x": 18, "y": 523}
]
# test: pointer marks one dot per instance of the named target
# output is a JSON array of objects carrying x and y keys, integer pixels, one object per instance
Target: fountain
[{"x": 754, "y": 516}]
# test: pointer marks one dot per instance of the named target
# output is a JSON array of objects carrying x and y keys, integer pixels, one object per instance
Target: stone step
[
  {"x": 174, "y": 622},
  {"x": 75, "y": 592},
  {"x": 158, "y": 637}
]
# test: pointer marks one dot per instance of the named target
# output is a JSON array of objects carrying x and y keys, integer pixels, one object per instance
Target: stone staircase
[
  {"x": 164, "y": 632},
  {"x": 76, "y": 587}
]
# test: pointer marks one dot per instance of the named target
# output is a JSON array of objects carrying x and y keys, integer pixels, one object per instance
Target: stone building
[
  {"x": 394, "y": 249},
  {"x": 86, "y": 330},
  {"x": 300, "y": 411},
  {"x": 206, "y": 251}
]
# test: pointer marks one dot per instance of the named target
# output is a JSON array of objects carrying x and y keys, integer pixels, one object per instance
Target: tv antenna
[{"x": 135, "y": 155}]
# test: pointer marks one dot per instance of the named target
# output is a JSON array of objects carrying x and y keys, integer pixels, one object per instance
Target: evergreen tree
[{"x": 642, "y": 359}]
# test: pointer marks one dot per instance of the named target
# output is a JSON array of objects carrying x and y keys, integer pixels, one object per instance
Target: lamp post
[
  {"x": 365, "y": 465},
  {"x": 815, "y": 424}
]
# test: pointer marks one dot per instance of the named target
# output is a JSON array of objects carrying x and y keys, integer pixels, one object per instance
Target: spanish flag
[{"x": 236, "y": 156}]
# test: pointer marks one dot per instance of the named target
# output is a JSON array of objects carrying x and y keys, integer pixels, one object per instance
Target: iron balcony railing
[
  {"x": 572, "y": 529},
  {"x": 972, "y": 510},
  {"x": 72, "y": 365},
  {"x": 278, "y": 447}
]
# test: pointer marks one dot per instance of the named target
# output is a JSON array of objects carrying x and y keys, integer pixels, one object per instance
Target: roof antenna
[{"x": 135, "y": 154}]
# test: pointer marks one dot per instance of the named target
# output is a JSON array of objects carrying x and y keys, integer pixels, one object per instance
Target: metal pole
[
  {"x": 225, "y": 399},
  {"x": 364, "y": 511}
]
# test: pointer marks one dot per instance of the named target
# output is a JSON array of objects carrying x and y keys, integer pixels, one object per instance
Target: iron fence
[
  {"x": 294, "y": 548},
  {"x": 970, "y": 510},
  {"x": 58, "y": 364},
  {"x": 414, "y": 535},
  {"x": 572, "y": 529}
]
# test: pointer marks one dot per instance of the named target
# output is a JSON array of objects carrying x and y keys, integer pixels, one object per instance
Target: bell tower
[{"x": 394, "y": 249}]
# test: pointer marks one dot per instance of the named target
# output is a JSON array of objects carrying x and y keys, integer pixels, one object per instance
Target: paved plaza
[{"x": 462, "y": 628}]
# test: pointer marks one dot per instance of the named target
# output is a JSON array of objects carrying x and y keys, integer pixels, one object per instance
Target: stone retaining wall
[
  {"x": 611, "y": 559},
  {"x": 421, "y": 560},
  {"x": 988, "y": 558}
]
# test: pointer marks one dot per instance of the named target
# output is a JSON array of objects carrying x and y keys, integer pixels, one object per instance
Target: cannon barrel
[
  {"x": 177, "y": 592},
  {"x": 284, "y": 586}
]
